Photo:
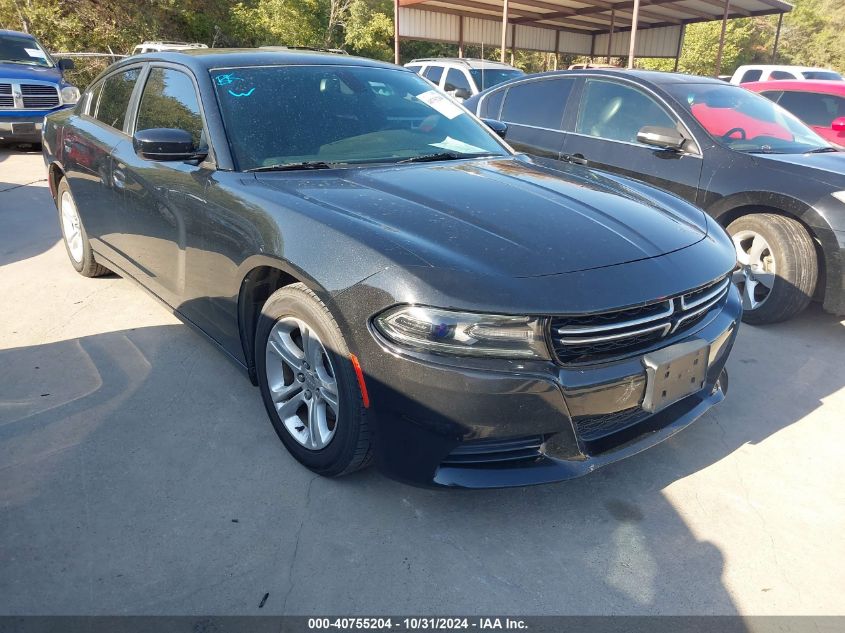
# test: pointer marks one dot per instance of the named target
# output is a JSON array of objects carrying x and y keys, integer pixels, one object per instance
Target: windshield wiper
[
  {"x": 427, "y": 158},
  {"x": 295, "y": 166},
  {"x": 26, "y": 62},
  {"x": 821, "y": 150}
]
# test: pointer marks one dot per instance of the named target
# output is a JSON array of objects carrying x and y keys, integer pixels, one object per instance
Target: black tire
[
  {"x": 350, "y": 448},
  {"x": 796, "y": 266},
  {"x": 87, "y": 265}
]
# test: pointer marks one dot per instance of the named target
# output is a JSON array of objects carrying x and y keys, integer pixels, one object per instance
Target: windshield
[
  {"x": 277, "y": 115},
  {"x": 23, "y": 50},
  {"x": 486, "y": 77},
  {"x": 822, "y": 74},
  {"x": 745, "y": 121}
]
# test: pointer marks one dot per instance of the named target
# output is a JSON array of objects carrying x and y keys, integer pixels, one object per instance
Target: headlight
[
  {"x": 70, "y": 94},
  {"x": 463, "y": 333},
  {"x": 839, "y": 195}
]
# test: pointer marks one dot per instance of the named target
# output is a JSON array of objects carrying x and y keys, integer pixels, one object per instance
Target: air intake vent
[{"x": 496, "y": 451}]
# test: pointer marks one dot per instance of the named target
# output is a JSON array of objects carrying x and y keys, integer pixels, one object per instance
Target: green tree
[{"x": 369, "y": 29}]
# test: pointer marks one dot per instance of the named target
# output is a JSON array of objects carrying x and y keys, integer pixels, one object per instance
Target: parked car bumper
[
  {"x": 528, "y": 423},
  {"x": 23, "y": 126}
]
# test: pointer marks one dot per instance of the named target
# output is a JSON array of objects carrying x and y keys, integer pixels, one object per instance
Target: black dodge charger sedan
[
  {"x": 774, "y": 184},
  {"x": 401, "y": 286}
]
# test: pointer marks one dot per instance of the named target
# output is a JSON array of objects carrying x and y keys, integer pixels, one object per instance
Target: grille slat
[
  {"x": 607, "y": 335},
  {"x": 5, "y": 89},
  {"x": 7, "y": 102},
  {"x": 496, "y": 451},
  {"x": 594, "y": 427}
]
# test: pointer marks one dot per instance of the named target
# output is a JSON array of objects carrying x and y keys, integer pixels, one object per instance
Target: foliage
[{"x": 369, "y": 29}]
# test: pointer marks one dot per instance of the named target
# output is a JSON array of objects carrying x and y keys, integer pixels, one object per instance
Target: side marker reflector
[{"x": 361, "y": 384}]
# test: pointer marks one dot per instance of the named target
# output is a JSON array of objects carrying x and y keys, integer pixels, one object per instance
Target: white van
[{"x": 770, "y": 72}]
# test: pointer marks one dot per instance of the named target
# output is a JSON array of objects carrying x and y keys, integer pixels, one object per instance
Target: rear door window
[
  {"x": 781, "y": 74},
  {"x": 114, "y": 97},
  {"x": 537, "y": 103}
]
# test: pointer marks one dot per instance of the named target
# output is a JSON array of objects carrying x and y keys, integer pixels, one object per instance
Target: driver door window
[
  {"x": 610, "y": 115},
  {"x": 616, "y": 112},
  {"x": 456, "y": 80},
  {"x": 169, "y": 100}
]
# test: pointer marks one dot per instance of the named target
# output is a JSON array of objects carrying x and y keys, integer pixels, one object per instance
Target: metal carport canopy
[{"x": 612, "y": 28}]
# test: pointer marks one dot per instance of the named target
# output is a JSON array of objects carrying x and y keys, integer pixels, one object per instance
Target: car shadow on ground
[{"x": 142, "y": 476}]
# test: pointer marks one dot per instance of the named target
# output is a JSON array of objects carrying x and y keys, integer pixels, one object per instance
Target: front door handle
[
  {"x": 577, "y": 159},
  {"x": 118, "y": 177}
]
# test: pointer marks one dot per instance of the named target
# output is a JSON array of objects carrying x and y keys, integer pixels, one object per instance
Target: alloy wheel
[
  {"x": 302, "y": 383},
  {"x": 72, "y": 227},
  {"x": 756, "y": 268}
]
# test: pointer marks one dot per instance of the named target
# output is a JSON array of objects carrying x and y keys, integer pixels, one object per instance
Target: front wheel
[
  {"x": 777, "y": 268},
  {"x": 308, "y": 384}
]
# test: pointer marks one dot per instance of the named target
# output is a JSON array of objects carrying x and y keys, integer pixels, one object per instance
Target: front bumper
[
  {"x": 23, "y": 126},
  {"x": 527, "y": 423}
]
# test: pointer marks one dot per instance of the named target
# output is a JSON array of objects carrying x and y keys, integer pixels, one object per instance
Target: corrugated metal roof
[{"x": 596, "y": 16}]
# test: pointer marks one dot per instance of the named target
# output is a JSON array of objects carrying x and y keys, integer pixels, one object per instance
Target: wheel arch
[
  {"x": 729, "y": 210},
  {"x": 261, "y": 276},
  {"x": 55, "y": 173}
]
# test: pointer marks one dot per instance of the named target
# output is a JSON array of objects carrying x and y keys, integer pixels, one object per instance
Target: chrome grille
[
  {"x": 606, "y": 335},
  {"x": 38, "y": 96},
  {"x": 28, "y": 96},
  {"x": 6, "y": 98}
]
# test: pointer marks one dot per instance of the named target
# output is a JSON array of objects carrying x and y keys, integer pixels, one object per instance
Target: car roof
[
  {"x": 18, "y": 33},
  {"x": 203, "y": 59},
  {"x": 782, "y": 67},
  {"x": 643, "y": 76},
  {"x": 829, "y": 86},
  {"x": 462, "y": 61}
]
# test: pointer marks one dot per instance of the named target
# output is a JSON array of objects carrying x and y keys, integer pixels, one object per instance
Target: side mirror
[
  {"x": 462, "y": 93},
  {"x": 165, "y": 144},
  {"x": 663, "y": 137},
  {"x": 838, "y": 124},
  {"x": 499, "y": 129},
  {"x": 66, "y": 65}
]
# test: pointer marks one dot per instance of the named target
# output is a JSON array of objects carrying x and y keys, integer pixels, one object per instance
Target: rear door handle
[{"x": 577, "y": 159}]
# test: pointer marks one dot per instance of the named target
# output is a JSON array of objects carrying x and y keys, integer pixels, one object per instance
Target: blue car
[{"x": 32, "y": 86}]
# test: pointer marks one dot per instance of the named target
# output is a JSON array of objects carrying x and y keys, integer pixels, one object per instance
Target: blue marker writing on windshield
[{"x": 242, "y": 94}]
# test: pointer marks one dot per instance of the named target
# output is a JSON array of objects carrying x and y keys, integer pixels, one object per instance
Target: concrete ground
[{"x": 139, "y": 474}]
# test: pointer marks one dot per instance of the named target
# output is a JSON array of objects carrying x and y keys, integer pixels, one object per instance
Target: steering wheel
[{"x": 742, "y": 135}]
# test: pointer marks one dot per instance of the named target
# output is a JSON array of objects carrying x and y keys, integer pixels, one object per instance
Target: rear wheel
[
  {"x": 308, "y": 384},
  {"x": 777, "y": 268},
  {"x": 74, "y": 235}
]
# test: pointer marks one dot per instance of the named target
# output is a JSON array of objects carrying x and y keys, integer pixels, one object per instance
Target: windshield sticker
[
  {"x": 440, "y": 102},
  {"x": 453, "y": 145},
  {"x": 35, "y": 52}
]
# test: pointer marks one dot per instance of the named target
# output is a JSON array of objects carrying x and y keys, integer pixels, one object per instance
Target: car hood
[
  {"x": 828, "y": 168},
  {"x": 23, "y": 72},
  {"x": 505, "y": 216}
]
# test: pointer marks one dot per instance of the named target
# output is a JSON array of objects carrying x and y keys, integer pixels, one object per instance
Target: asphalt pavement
[{"x": 139, "y": 474}]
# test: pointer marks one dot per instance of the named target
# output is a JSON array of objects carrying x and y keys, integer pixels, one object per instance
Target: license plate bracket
[
  {"x": 23, "y": 128},
  {"x": 675, "y": 372}
]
